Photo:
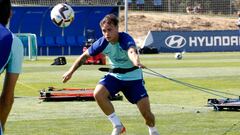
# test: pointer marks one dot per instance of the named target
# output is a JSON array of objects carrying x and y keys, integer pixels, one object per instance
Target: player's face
[{"x": 110, "y": 32}]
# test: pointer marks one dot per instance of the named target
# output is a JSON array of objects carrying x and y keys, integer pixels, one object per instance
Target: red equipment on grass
[
  {"x": 99, "y": 59},
  {"x": 71, "y": 94}
]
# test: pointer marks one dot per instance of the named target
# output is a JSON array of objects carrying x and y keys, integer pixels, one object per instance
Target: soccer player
[
  {"x": 238, "y": 21},
  {"x": 11, "y": 51},
  {"x": 125, "y": 74}
]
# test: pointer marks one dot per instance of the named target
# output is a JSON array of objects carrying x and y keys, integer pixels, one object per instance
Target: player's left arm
[
  {"x": 134, "y": 57},
  {"x": 7, "y": 96}
]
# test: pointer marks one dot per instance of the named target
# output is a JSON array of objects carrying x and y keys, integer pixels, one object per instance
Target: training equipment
[
  {"x": 218, "y": 104},
  {"x": 62, "y": 15},
  {"x": 178, "y": 56},
  {"x": 29, "y": 41},
  {"x": 99, "y": 59},
  {"x": 71, "y": 94},
  {"x": 60, "y": 61},
  {"x": 224, "y": 104},
  {"x": 148, "y": 50},
  {"x": 117, "y": 70}
]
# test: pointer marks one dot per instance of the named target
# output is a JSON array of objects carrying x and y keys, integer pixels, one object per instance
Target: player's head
[
  {"x": 109, "y": 26},
  {"x": 110, "y": 19},
  {"x": 5, "y": 11}
]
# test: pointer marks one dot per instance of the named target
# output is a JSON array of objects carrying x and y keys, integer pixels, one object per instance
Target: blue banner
[{"x": 194, "y": 41}]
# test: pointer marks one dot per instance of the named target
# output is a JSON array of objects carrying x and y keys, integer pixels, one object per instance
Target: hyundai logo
[{"x": 175, "y": 41}]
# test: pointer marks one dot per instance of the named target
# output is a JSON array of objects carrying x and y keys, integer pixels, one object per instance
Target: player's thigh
[
  {"x": 109, "y": 83},
  {"x": 101, "y": 91}
]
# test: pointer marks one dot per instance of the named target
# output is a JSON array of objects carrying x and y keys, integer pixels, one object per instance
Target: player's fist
[{"x": 67, "y": 76}]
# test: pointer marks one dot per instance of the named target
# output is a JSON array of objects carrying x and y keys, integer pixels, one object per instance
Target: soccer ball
[
  {"x": 178, "y": 56},
  {"x": 62, "y": 15}
]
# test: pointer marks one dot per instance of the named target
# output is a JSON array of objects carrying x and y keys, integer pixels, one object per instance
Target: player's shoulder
[
  {"x": 17, "y": 45},
  {"x": 16, "y": 39},
  {"x": 126, "y": 40},
  {"x": 5, "y": 34}
]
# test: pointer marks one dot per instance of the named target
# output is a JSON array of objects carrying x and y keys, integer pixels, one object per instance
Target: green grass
[{"x": 175, "y": 106}]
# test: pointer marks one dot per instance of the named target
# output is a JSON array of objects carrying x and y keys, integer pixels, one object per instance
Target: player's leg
[
  {"x": 144, "y": 107},
  {"x": 136, "y": 93},
  {"x": 7, "y": 96},
  {"x": 101, "y": 94}
]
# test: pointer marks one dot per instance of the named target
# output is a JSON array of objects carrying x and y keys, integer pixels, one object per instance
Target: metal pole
[
  {"x": 230, "y": 7},
  {"x": 126, "y": 15},
  {"x": 169, "y": 6}
]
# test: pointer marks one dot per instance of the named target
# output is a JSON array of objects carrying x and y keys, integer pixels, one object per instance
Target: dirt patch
[{"x": 139, "y": 23}]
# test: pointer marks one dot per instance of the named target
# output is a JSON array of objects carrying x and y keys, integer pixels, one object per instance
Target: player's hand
[
  {"x": 141, "y": 65},
  {"x": 138, "y": 64},
  {"x": 67, "y": 76}
]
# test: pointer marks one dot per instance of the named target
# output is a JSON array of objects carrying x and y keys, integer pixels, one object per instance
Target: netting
[
  {"x": 181, "y": 6},
  {"x": 72, "y": 2}
]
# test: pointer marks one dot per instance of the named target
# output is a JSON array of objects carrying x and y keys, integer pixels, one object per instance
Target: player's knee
[
  {"x": 96, "y": 95},
  {"x": 6, "y": 102},
  {"x": 99, "y": 94}
]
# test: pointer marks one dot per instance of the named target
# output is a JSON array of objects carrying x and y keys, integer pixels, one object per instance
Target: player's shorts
[{"x": 133, "y": 90}]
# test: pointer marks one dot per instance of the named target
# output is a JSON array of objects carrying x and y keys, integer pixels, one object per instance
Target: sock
[
  {"x": 114, "y": 119},
  {"x": 152, "y": 129}
]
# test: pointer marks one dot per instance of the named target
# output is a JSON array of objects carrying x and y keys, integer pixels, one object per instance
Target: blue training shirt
[
  {"x": 11, "y": 51},
  {"x": 117, "y": 54},
  {"x": 5, "y": 46}
]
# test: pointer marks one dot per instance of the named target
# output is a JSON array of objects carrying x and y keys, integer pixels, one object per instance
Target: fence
[{"x": 181, "y": 6}]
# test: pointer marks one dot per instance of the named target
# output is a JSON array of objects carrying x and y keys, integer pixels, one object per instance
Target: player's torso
[{"x": 117, "y": 56}]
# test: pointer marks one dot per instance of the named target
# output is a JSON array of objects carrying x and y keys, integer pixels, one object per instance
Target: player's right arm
[
  {"x": 96, "y": 48},
  {"x": 78, "y": 62}
]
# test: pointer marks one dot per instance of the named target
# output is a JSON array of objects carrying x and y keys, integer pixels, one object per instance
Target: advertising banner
[{"x": 194, "y": 41}]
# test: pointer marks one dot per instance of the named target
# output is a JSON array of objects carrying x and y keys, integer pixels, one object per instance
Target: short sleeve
[
  {"x": 98, "y": 46},
  {"x": 126, "y": 41},
  {"x": 16, "y": 57}
]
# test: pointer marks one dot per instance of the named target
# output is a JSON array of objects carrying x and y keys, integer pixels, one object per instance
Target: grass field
[{"x": 179, "y": 110}]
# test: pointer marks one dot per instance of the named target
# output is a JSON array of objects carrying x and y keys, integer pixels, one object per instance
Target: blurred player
[
  {"x": 11, "y": 50},
  {"x": 238, "y": 21},
  {"x": 125, "y": 75}
]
